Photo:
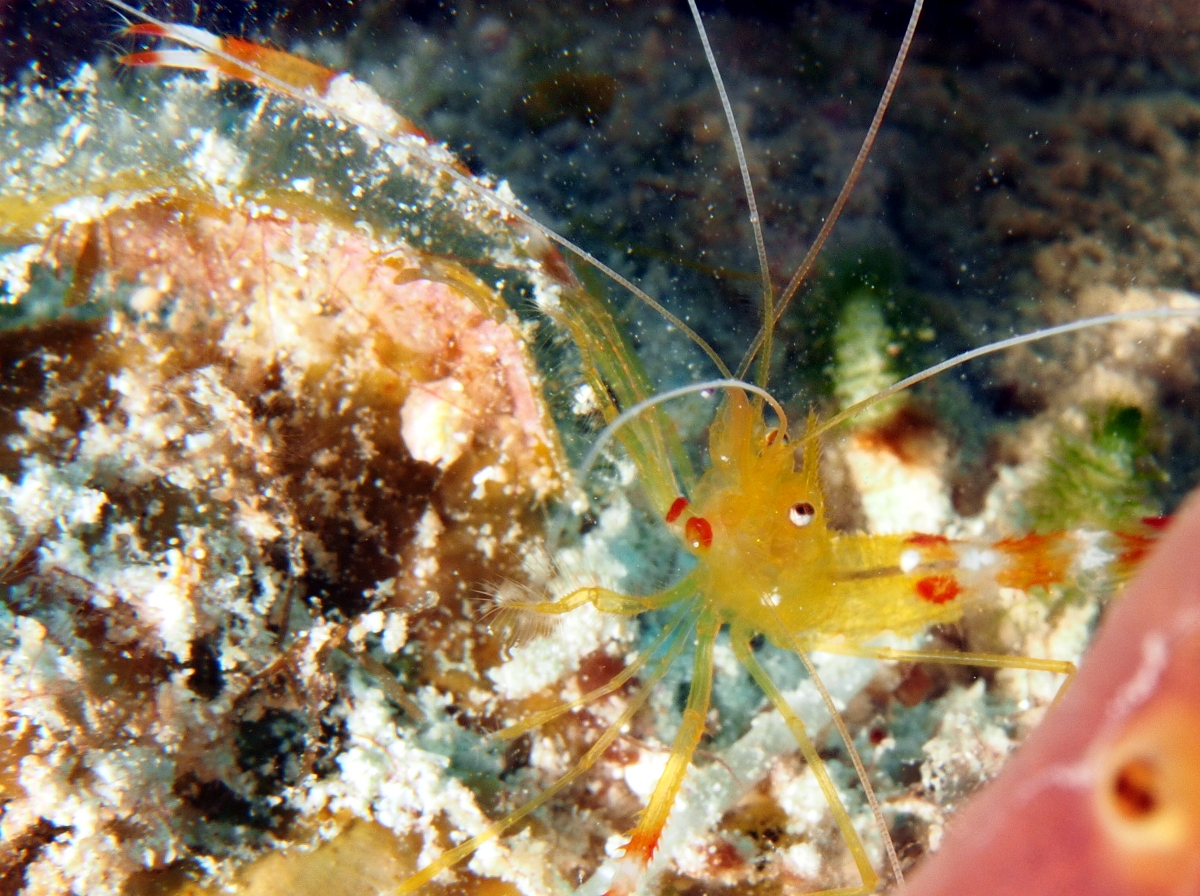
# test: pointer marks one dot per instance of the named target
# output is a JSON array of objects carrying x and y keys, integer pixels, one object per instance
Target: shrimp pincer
[
  {"x": 229, "y": 56},
  {"x": 257, "y": 64},
  {"x": 1114, "y": 772}
]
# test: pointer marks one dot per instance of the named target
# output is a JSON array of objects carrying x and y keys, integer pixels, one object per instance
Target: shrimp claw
[{"x": 229, "y": 56}]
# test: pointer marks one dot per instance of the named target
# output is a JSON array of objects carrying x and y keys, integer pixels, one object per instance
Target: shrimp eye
[
  {"x": 698, "y": 532},
  {"x": 801, "y": 514}
]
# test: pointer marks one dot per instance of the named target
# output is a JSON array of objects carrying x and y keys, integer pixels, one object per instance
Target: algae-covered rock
[{"x": 246, "y": 426}]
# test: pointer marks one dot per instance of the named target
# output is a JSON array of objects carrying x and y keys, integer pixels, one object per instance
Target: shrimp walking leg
[
  {"x": 537, "y": 719},
  {"x": 740, "y": 641},
  {"x": 957, "y": 658},
  {"x": 953, "y": 658},
  {"x": 460, "y": 852},
  {"x": 608, "y": 601},
  {"x": 644, "y": 840}
]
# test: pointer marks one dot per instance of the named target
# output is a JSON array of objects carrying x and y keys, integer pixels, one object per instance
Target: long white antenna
[
  {"x": 992, "y": 347},
  {"x": 864, "y": 151},
  {"x": 768, "y": 302},
  {"x": 610, "y": 431}
]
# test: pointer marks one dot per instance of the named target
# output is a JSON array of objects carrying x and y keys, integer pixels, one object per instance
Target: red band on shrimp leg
[
  {"x": 632, "y": 866},
  {"x": 922, "y": 540},
  {"x": 642, "y": 845},
  {"x": 189, "y": 34}
]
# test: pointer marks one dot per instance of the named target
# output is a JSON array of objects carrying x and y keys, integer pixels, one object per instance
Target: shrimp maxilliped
[{"x": 766, "y": 563}]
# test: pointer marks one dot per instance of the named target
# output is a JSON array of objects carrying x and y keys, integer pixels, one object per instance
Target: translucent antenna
[
  {"x": 768, "y": 301},
  {"x": 610, "y": 431},
  {"x": 992, "y": 347},
  {"x": 764, "y": 334}
]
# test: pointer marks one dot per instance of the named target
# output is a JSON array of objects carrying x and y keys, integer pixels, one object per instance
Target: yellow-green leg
[
  {"x": 644, "y": 839},
  {"x": 740, "y": 641},
  {"x": 453, "y": 856},
  {"x": 537, "y": 719},
  {"x": 607, "y": 601},
  {"x": 955, "y": 658}
]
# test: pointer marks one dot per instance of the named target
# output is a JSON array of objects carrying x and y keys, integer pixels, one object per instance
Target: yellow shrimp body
[{"x": 774, "y": 565}]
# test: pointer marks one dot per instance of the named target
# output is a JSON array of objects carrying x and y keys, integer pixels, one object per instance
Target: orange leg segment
[{"x": 644, "y": 840}]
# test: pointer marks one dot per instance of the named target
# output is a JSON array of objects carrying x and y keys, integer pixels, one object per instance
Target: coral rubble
[{"x": 241, "y": 438}]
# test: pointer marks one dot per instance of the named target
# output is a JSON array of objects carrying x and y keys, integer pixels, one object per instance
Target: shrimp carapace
[{"x": 769, "y": 558}]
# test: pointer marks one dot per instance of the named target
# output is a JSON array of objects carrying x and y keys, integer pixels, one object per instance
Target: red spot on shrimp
[
  {"x": 1035, "y": 560},
  {"x": 678, "y": 506},
  {"x": 698, "y": 532},
  {"x": 1158, "y": 523},
  {"x": 933, "y": 548},
  {"x": 938, "y": 589}
]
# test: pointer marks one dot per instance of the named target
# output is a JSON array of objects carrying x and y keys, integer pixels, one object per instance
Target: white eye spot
[
  {"x": 801, "y": 514},
  {"x": 909, "y": 560}
]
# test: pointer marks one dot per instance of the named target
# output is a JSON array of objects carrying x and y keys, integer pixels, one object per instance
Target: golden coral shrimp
[
  {"x": 767, "y": 562},
  {"x": 1029, "y": 561}
]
